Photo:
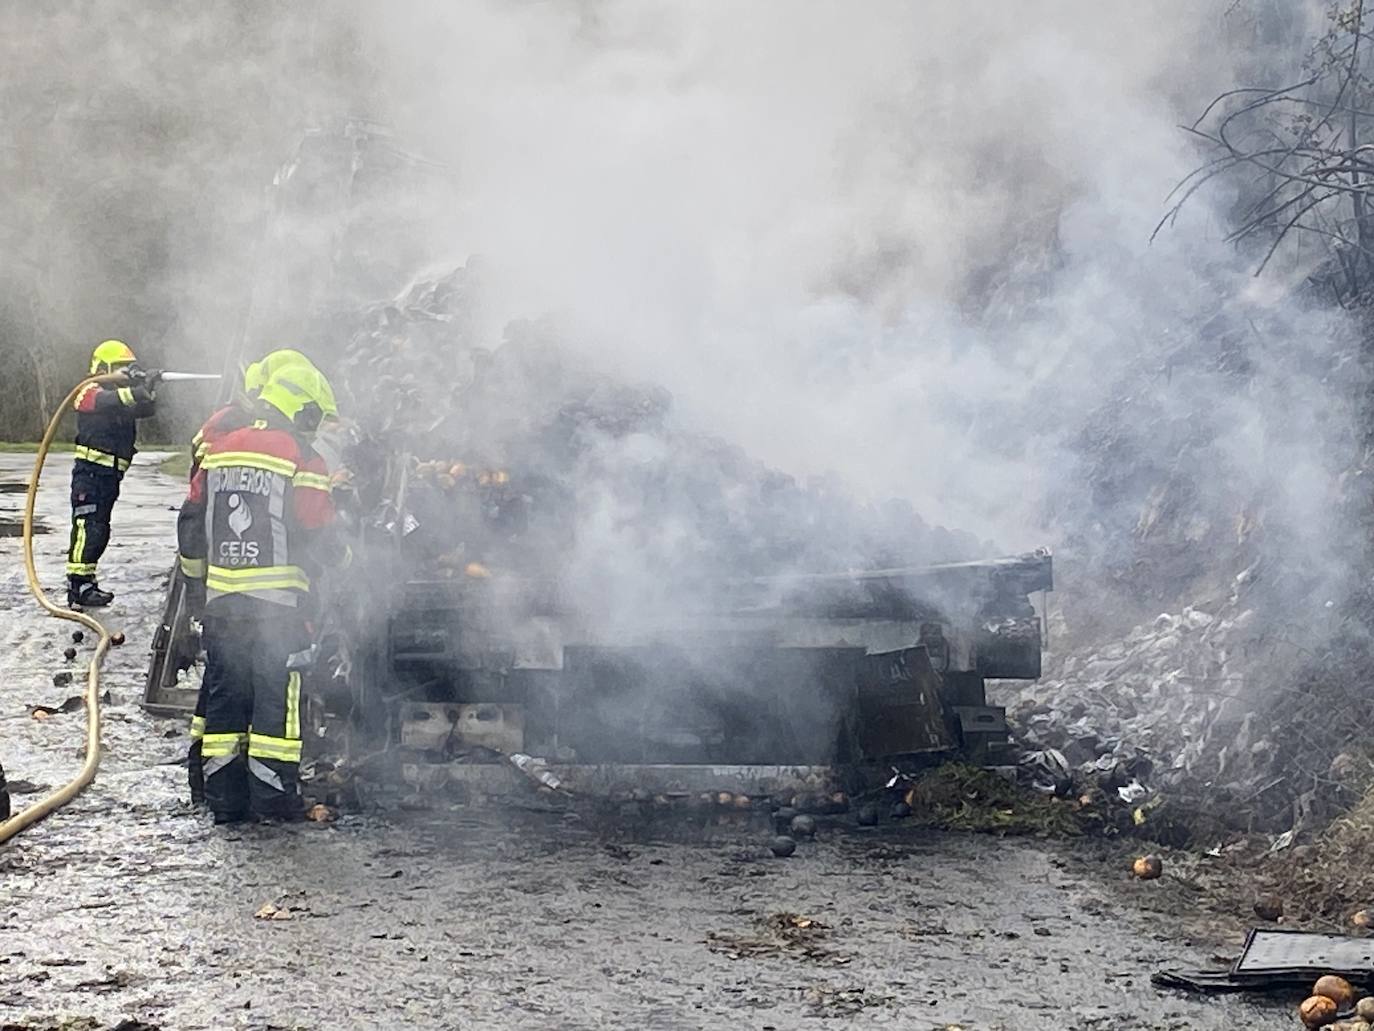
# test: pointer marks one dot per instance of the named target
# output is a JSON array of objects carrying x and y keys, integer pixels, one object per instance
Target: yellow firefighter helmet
[
  {"x": 110, "y": 355},
  {"x": 302, "y": 394},
  {"x": 255, "y": 377}
]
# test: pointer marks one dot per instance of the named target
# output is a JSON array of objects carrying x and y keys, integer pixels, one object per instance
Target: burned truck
[
  {"x": 552, "y": 569},
  {"x": 783, "y": 678},
  {"x": 730, "y": 629}
]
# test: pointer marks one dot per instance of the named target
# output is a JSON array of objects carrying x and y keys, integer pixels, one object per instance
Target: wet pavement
[{"x": 127, "y": 905}]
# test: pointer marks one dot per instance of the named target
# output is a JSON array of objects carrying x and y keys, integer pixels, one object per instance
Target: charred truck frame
[{"x": 801, "y": 680}]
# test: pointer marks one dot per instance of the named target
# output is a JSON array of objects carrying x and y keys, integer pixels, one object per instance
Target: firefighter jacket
[
  {"x": 106, "y": 423},
  {"x": 224, "y": 420},
  {"x": 257, "y": 521}
]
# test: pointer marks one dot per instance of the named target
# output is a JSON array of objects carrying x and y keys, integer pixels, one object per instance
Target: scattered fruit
[
  {"x": 803, "y": 826},
  {"x": 78, "y": 636},
  {"x": 69, "y": 654},
  {"x": 1147, "y": 868},
  {"x": 320, "y": 814},
  {"x": 1364, "y": 919},
  {"x": 783, "y": 846},
  {"x": 1269, "y": 907},
  {"x": 1337, "y": 989},
  {"x": 477, "y": 571},
  {"x": 61, "y": 679},
  {"x": 1318, "y": 1011},
  {"x": 1364, "y": 1009},
  {"x": 117, "y": 638}
]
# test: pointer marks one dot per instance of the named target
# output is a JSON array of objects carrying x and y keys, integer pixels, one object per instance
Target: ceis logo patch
[
  {"x": 240, "y": 517},
  {"x": 238, "y": 552}
]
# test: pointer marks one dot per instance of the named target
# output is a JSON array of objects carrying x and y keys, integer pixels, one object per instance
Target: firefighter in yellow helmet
[
  {"x": 236, "y": 413},
  {"x": 106, "y": 425},
  {"x": 256, "y": 531},
  {"x": 234, "y": 416}
]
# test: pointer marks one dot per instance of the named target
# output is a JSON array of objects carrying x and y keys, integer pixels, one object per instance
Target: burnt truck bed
[
  {"x": 793, "y": 670},
  {"x": 798, "y": 672}
]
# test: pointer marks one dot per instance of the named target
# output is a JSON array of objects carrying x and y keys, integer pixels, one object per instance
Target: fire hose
[{"x": 57, "y": 799}]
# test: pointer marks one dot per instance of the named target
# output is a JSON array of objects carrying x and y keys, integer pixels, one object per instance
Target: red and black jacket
[
  {"x": 106, "y": 424},
  {"x": 222, "y": 421},
  {"x": 257, "y": 520}
]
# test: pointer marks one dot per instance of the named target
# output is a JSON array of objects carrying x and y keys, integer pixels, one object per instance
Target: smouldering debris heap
[
  {"x": 553, "y": 459},
  {"x": 1199, "y": 707}
]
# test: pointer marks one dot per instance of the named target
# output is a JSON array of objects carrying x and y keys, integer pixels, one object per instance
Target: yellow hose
[{"x": 67, "y": 792}]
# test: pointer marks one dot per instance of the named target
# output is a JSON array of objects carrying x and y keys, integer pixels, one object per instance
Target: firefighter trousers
[
  {"x": 250, "y": 748},
  {"x": 94, "y": 493}
]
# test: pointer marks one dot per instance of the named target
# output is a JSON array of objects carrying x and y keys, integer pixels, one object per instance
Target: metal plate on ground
[{"x": 1277, "y": 952}]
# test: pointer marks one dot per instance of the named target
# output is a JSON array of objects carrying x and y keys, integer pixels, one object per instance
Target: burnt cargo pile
[{"x": 543, "y": 446}]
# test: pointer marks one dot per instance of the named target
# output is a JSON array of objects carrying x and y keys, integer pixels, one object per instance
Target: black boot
[{"x": 87, "y": 594}]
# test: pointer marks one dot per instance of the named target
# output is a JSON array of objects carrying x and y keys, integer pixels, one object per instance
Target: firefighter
[
  {"x": 237, "y": 412},
  {"x": 255, "y": 532},
  {"x": 106, "y": 424},
  {"x": 233, "y": 416}
]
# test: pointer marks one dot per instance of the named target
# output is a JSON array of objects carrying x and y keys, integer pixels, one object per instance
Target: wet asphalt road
[{"x": 127, "y": 905}]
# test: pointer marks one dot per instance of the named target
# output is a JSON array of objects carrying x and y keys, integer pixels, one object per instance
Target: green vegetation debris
[{"x": 957, "y": 796}]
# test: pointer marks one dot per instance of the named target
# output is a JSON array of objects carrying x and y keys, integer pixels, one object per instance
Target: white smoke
[{"x": 908, "y": 244}]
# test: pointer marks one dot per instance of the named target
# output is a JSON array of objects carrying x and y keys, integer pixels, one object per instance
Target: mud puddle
[
  {"x": 9, "y": 525},
  {"x": 15, "y": 527}
]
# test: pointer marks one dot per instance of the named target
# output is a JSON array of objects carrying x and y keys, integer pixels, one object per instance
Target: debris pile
[
  {"x": 957, "y": 796},
  {"x": 1331, "y": 877},
  {"x": 781, "y": 934},
  {"x": 527, "y": 443},
  {"x": 1212, "y": 707}
]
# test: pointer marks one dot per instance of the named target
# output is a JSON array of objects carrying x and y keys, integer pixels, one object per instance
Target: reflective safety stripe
[
  {"x": 285, "y": 750},
  {"x": 213, "y": 764},
  {"x": 192, "y": 567},
  {"x": 222, "y": 744},
  {"x": 293, "y": 706},
  {"x": 197, "y": 440},
  {"x": 315, "y": 481},
  {"x": 126, "y": 397},
  {"x": 202, "y": 449},
  {"x": 265, "y": 773},
  {"x": 90, "y": 454},
  {"x": 76, "y": 567},
  {"x": 251, "y": 578},
  {"x": 197, "y": 726},
  {"x": 78, "y": 551},
  {"x": 252, "y": 459}
]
